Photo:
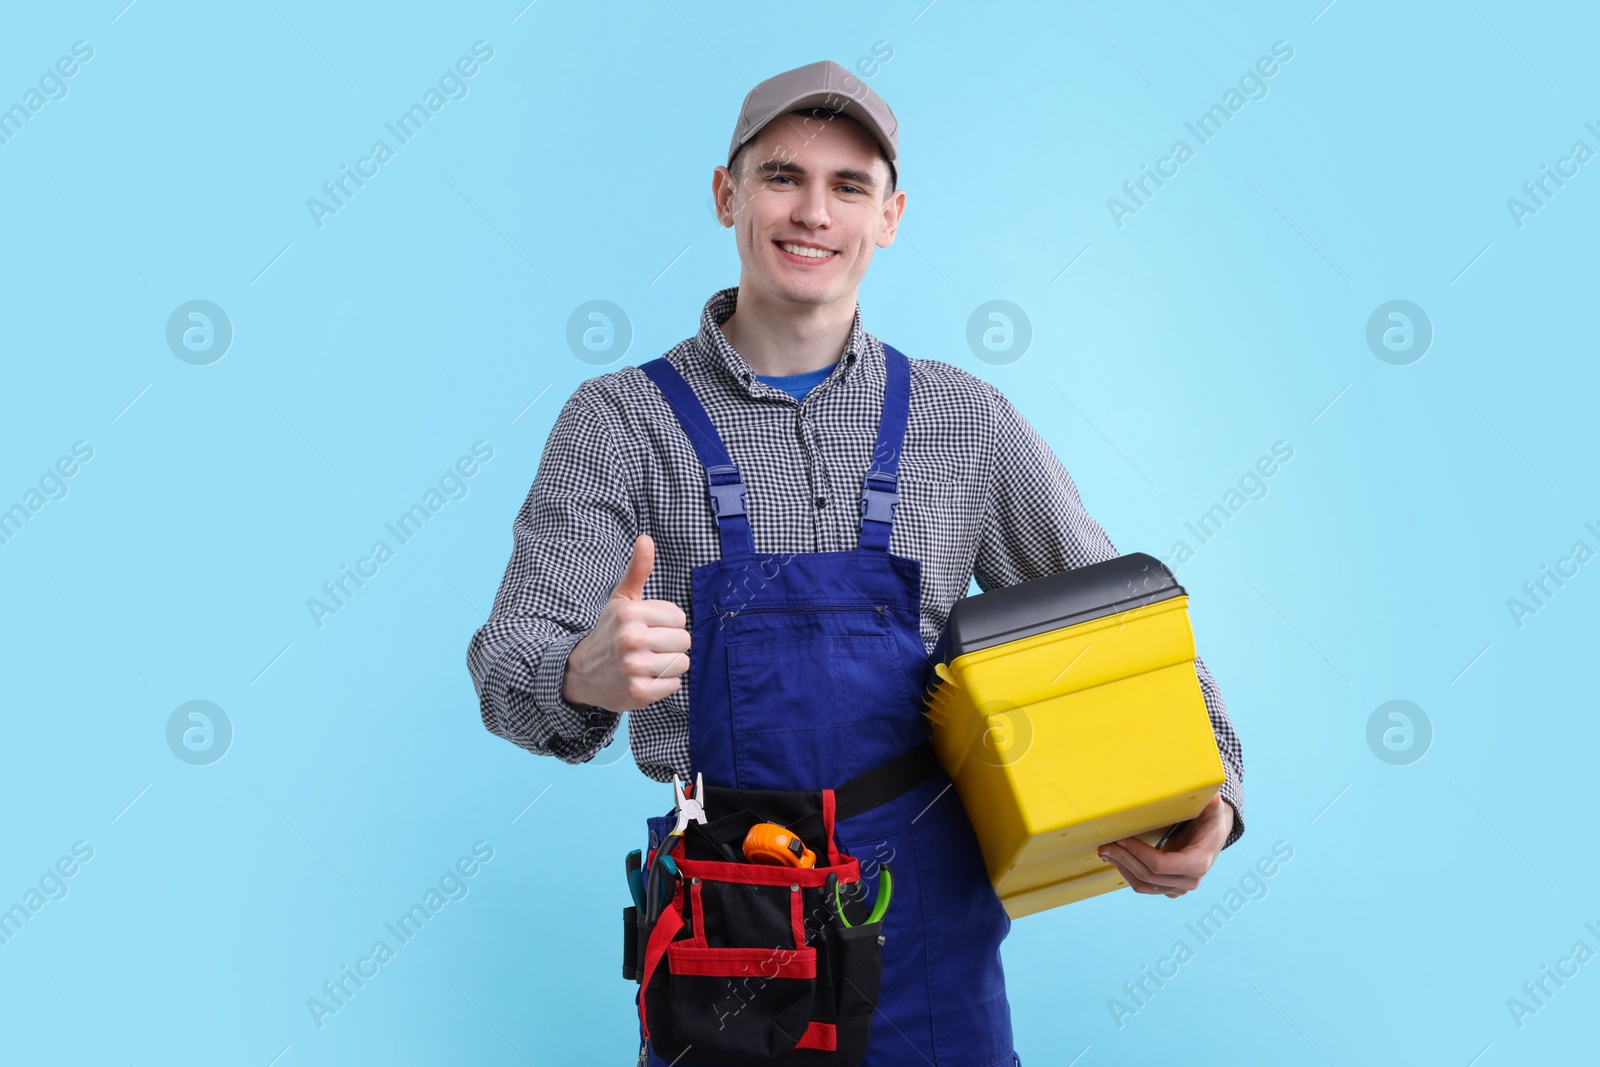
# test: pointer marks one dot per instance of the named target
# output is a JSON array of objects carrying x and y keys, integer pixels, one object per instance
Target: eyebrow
[{"x": 778, "y": 166}]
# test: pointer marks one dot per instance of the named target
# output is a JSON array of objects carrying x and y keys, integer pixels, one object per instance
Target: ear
[
  {"x": 893, "y": 208},
  {"x": 722, "y": 193}
]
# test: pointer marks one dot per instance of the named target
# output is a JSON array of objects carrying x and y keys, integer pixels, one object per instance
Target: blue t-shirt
[{"x": 798, "y": 385}]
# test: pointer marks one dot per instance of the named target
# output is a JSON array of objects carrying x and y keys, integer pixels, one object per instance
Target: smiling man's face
[{"x": 815, "y": 183}]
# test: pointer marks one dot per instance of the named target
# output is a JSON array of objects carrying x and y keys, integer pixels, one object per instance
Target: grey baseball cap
[{"x": 821, "y": 84}]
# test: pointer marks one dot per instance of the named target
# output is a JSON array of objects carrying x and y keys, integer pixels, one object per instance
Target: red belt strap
[
  {"x": 667, "y": 927},
  {"x": 827, "y": 826}
]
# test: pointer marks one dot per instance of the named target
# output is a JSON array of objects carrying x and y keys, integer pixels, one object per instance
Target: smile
[{"x": 804, "y": 252}]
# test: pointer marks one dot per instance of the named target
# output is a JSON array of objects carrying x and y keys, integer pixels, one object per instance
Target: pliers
[{"x": 690, "y": 808}]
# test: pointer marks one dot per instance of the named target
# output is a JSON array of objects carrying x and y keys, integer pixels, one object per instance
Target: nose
[{"x": 811, "y": 207}]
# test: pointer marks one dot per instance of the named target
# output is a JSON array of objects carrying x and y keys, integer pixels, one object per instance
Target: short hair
[{"x": 820, "y": 113}]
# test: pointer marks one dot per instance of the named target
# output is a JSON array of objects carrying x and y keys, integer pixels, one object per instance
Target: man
[{"x": 782, "y": 387}]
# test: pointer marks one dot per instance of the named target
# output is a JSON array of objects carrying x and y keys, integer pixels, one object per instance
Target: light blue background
[{"x": 430, "y": 313}]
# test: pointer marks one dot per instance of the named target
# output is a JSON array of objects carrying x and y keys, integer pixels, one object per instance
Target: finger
[
  {"x": 631, "y": 587},
  {"x": 658, "y": 665},
  {"x": 1177, "y": 863},
  {"x": 1135, "y": 883},
  {"x": 663, "y": 613},
  {"x": 1146, "y": 872},
  {"x": 661, "y": 639},
  {"x": 1199, "y": 826},
  {"x": 648, "y": 692},
  {"x": 1207, "y": 820}
]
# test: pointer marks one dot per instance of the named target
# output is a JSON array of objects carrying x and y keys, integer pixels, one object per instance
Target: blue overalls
[{"x": 808, "y": 669}]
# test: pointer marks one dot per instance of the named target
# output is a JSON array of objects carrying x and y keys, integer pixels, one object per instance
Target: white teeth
[{"x": 801, "y": 250}]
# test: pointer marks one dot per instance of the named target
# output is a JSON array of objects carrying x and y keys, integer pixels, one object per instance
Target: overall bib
[{"x": 807, "y": 670}]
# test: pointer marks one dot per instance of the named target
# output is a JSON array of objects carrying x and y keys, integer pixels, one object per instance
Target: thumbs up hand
[{"x": 638, "y": 648}]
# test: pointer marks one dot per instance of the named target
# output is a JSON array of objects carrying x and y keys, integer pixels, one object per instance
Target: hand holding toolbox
[
  {"x": 1068, "y": 712},
  {"x": 755, "y": 962}
]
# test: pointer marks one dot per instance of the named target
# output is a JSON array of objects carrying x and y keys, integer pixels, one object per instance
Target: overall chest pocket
[{"x": 819, "y": 694}]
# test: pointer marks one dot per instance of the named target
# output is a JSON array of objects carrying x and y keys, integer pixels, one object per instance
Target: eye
[
  {"x": 779, "y": 177},
  {"x": 849, "y": 188}
]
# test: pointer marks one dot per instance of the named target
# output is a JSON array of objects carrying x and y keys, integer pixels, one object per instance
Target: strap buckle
[
  {"x": 727, "y": 496},
  {"x": 878, "y": 497}
]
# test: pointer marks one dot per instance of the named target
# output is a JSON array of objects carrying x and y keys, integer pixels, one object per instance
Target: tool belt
[{"x": 764, "y": 963}]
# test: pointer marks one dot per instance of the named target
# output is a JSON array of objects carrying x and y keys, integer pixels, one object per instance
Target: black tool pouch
[{"x": 751, "y": 962}]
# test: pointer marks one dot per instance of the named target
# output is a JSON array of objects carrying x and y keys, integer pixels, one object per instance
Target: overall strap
[
  {"x": 724, "y": 483},
  {"x": 879, "y": 495}
]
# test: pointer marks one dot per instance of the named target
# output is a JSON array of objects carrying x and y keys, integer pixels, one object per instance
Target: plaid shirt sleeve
[
  {"x": 1036, "y": 525},
  {"x": 572, "y": 540}
]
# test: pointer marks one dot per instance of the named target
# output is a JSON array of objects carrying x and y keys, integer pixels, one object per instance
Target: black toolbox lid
[{"x": 1054, "y": 601}]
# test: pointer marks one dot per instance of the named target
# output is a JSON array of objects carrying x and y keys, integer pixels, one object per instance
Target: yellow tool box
[{"x": 1068, "y": 713}]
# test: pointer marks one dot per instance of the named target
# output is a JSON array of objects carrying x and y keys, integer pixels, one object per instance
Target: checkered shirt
[{"x": 981, "y": 495}]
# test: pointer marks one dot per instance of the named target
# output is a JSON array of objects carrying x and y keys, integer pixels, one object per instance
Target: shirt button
[{"x": 822, "y": 501}]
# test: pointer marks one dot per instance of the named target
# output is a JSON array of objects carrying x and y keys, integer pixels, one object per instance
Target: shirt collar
[{"x": 714, "y": 350}]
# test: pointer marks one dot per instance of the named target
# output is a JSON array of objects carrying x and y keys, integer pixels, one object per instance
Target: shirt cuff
[
  {"x": 576, "y": 732},
  {"x": 1231, "y": 796},
  {"x": 586, "y": 728}
]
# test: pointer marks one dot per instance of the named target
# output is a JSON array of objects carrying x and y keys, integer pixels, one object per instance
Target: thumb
[{"x": 631, "y": 587}]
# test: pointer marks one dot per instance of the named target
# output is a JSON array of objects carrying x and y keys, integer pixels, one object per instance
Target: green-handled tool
[{"x": 879, "y": 907}]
